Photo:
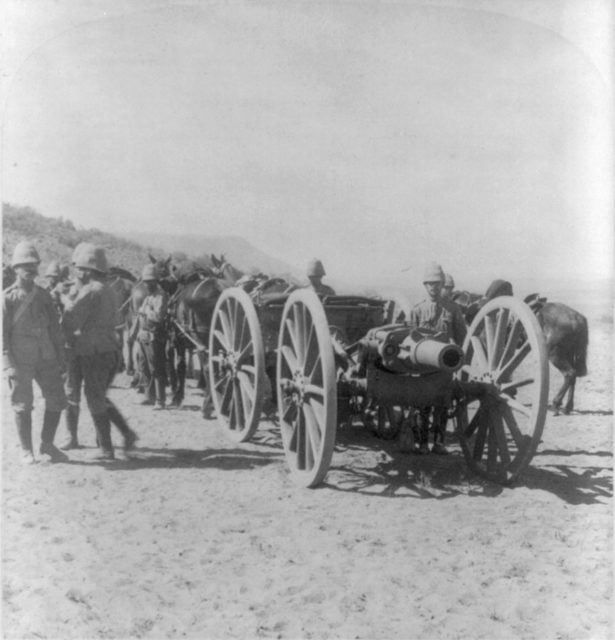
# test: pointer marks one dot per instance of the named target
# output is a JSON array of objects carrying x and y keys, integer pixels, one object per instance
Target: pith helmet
[
  {"x": 315, "y": 269},
  {"x": 448, "y": 280},
  {"x": 89, "y": 256},
  {"x": 53, "y": 269},
  {"x": 433, "y": 273},
  {"x": 149, "y": 273},
  {"x": 25, "y": 253}
]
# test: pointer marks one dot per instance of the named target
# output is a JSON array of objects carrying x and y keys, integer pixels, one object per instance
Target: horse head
[
  {"x": 225, "y": 270},
  {"x": 535, "y": 302}
]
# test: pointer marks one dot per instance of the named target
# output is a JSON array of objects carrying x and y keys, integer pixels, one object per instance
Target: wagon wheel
[
  {"x": 500, "y": 421},
  {"x": 384, "y": 420},
  {"x": 306, "y": 388},
  {"x": 237, "y": 364}
]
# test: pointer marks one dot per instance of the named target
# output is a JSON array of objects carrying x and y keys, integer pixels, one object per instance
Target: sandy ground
[{"x": 198, "y": 537}]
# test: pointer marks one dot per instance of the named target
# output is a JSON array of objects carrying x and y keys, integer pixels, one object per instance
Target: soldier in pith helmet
[
  {"x": 56, "y": 276},
  {"x": 89, "y": 323},
  {"x": 444, "y": 318},
  {"x": 32, "y": 349},
  {"x": 448, "y": 286},
  {"x": 151, "y": 334},
  {"x": 315, "y": 272}
]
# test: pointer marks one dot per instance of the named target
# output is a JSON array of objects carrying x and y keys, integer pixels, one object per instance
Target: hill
[
  {"x": 237, "y": 250},
  {"x": 56, "y": 238}
]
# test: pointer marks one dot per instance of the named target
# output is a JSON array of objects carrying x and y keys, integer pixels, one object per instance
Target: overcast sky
[{"x": 374, "y": 135}]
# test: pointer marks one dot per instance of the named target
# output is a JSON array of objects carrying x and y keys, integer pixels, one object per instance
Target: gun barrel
[{"x": 432, "y": 353}]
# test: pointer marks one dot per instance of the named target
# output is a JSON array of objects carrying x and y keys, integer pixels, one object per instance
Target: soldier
[
  {"x": 448, "y": 286},
  {"x": 56, "y": 277},
  {"x": 150, "y": 331},
  {"x": 89, "y": 324},
  {"x": 33, "y": 350},
  {"x": 444, "y": 318},
  {"x": 315, "y": 272}
]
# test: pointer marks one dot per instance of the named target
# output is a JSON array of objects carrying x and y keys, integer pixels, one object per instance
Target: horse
[
  {"x": 567, "y": 336},
  {"x": 121, "y": 283},
  {"x": 472, "y": 303},
  {"x": 190, "y": 311}
]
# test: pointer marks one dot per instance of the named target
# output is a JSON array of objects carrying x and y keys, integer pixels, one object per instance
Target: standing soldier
[
  {"x": 150, "y": 330},
  {"x": 448, "y": 286},
  {"x": 33, "y": 350},
  {"x": 315, "y": 273},
  {"x": 89, "y": 324},
  {"x": 55, "y": 277},
  {"x": 444, "y": 318}
]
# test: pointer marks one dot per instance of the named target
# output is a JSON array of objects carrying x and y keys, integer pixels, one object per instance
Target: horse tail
[{"x": 580, "y": 354}]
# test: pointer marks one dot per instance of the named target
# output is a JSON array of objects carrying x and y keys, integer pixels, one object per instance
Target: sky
[{"x": 376, "y": 136}]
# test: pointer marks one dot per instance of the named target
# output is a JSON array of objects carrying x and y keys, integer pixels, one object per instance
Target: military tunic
[
  {"x": 89, "y": 324},
  {"x": 322, "y": 289},
  {"x": 442, "y": 316},
  {"x": 152, "y": 336},
  {"x": 32, "y": 345}
]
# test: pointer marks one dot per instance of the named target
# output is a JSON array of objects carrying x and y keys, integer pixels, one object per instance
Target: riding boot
[
  {"x": 51, "y": 419},
  {"x": 72, "y": 422},
  {"x": 423, "y": 432},
  {"x": 103, "y": 434},
  {"x": 130, "y": 437},
  {"x": 439, "y": 431},
  {"x": 23, "y": 420},
  {"x": 161, "y": 394}
]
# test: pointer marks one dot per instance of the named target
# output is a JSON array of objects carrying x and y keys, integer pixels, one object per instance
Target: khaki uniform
[
  {"x": 152, "y": 335},
  {"x": 89, "y": 324},
  {"x": 33, "y": 346},
  {"x": 443, "y": 316},
  {"x": 322, "y": 289}
]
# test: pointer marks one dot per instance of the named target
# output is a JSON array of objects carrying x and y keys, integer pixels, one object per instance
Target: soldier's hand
[{"x": 11, "y": 376}]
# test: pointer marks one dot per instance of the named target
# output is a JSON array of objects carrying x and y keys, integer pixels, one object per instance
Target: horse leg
[
  {"x": 178, "y": 391},
  {"x": 561, "y": 362},
  {"x": 169, "y": 356},
  {"x": 570, "y": 402}
]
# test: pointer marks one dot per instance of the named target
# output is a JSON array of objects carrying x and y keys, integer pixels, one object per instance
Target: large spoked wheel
[
  {"x": 306, "y": 388},
  {"x": 500, "y": 420},
  {"x": 236, "y": 364}
]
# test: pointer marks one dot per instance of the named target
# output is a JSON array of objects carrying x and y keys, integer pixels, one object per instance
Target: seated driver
[{"x": 315, "y": 273}]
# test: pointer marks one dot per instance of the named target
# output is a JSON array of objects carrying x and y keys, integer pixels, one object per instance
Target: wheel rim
[
  {"x": 504, "y": 349},
  {"x": 236, "y": 364},
  {"x": 306, "y": 386}
]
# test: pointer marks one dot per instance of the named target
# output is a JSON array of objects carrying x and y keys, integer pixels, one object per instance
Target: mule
[
  {"x": 191, "y": 310},
  {"x": 121, "y": 283},
  {"x": 567, "y": 337}
]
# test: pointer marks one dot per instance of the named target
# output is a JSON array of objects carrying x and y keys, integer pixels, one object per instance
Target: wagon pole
[{"x": 196, "y": 343}]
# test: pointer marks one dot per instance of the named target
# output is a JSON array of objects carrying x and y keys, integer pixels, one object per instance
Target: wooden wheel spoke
[
  {"x": 313, "y": 370},
  {"x": 290, "y": 328},
  {"x": 517, "y": 406},
  {"x": 248, "y": 350},
  {"x": 311, "y": 349},
  {"x": 240, "y": 343},
  {"x": 473, "y": 424},
  {"x": 290, "y": 413},
  {"x": 227, "y": 396},
  {"x": 291, "y": 360},
  {"x": 513, "y": 427},
  {"x": 511, "y": 386},
  {"x": 237, "y": 403},
  {"x": 492, "y": 448},
  {"x": 314, "y": 390},
  {"x": 221, "y": 337},
  {"x": 246, "y": 385},
  {"x": 515, "y": 330},
  {"x": 507, "y": 368},
  {"x": 489, "y": 336},
  {"x": 225, "y": 321},
  {"x": 479, "y": 442},
  {"x": 313, "y": 430},
  {"x": 497, "y": 427},
  {"x": 479, "y": 353},
  {"x": 498, "y": 340}
]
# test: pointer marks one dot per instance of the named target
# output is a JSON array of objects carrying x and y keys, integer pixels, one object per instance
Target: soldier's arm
[
  {"x": 7, "y": 321},
  {"x": 55, "y": 331}
]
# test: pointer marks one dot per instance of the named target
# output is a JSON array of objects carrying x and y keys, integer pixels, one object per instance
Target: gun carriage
[{"x": 333, "y": 358}]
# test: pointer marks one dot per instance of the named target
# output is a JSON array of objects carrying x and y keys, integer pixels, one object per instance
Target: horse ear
[{"x": 152, "y": 259}]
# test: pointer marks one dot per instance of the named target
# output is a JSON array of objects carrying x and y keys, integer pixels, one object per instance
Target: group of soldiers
[{"x": 65, "y": 337}]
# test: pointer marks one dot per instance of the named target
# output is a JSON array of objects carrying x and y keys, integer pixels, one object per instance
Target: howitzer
[
  {"x": 400, "y": 349},
  {"x": 396, "y": 364}
]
